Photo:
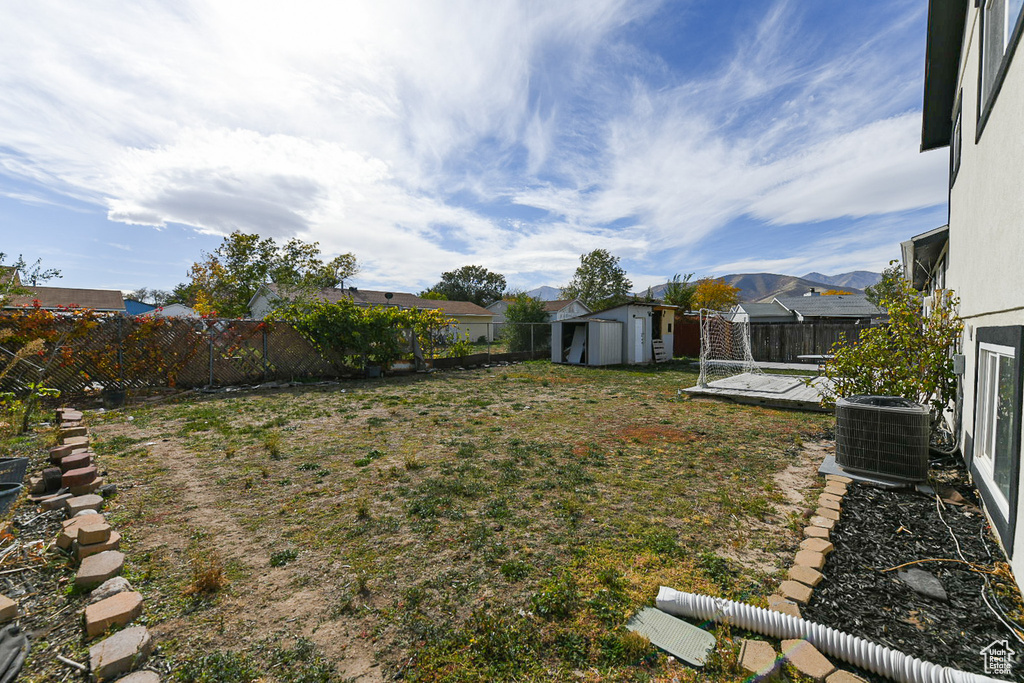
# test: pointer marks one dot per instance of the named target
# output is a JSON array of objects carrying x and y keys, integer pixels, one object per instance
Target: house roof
[
  {"x": 68, "y": 297},
  {"x": 921, "y": 253},
  {"x": 769, "y": 310},
  {"x": 831, "y": 306},
  {"x": 555, "y": 306},
  {"x": 370, "y": 297},
  {"x": 946, "y": 20}
]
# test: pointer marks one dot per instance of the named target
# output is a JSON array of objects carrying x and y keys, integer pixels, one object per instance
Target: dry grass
[{"x": 494, "y": 524}]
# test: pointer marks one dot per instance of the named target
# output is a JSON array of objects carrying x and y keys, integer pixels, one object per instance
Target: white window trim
[{"x": 983, "y": 459}]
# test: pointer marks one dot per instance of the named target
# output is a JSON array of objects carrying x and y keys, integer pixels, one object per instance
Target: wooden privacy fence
[
  {"x": 120, "y": 353},
  {"x": 783, "y": 342}
]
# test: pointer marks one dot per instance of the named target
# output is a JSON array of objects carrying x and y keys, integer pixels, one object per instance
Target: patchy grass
[{"x": 493, "y": 524}]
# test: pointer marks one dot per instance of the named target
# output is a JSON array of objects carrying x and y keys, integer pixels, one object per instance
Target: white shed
[
  {"x": 586, "y": 341},
  {"x": 640, "y": 324}
]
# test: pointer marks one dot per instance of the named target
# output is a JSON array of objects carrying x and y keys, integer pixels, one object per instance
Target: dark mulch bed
[{"x": 883, "y": 529}]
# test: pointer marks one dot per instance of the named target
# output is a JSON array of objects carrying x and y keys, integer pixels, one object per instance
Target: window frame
[
  {"x": 956, "y": 144},
  {"x": 1012, "y": 39},
  {"x": 1002, "y": 513}
]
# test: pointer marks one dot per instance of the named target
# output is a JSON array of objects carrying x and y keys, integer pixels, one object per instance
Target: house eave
[{"x": 946, "y": 20}]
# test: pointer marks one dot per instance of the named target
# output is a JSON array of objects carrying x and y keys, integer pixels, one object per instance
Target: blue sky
[{"x": 683, "y": 136}]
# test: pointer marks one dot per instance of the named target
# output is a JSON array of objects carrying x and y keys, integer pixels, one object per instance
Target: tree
[
  {"x": 470, "y": 283},
  {"x": 890, "y": 286},
  {"x": 911, "y": 356},
  {"x": 715, "y": 294},
  {"x": 599, "y": 281},
  {"x": 15, "y": 277},
  {"x": 225, "y": 280},
  {"x": 157, "y": 297},
  {"x": 679, "y": 291},
  {"x": 528, "y": 328},
  {"x": 836, "y": 292}
]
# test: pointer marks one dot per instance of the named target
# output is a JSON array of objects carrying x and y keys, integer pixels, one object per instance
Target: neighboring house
[
  {"x": 133, "y": 307},
  {"x": 762, "y": 313},
  {"x": 845, "y": 308},
  {"x": 810, "y": 308},
  {"x": 589, "y": 340},
  {"x": 57, "y": 298},
  {"x": 556, "y": 310},
  {"x": 974, "y": 104},
  {"x": 172, "y": 311},
  {"x": 472, "y": 320}
]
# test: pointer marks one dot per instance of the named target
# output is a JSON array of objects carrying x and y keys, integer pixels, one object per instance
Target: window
[
  {"x": 994, "y": 441},
  {"x": 1000, "y": 31}
]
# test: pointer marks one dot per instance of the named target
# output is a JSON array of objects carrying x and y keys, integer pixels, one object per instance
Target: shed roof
[
  {"x": 921, "y": 253},
  {"x": 69, "y": 297},
  {"x": 772, "y": 309},
  {"x": 831, "y": 306}
]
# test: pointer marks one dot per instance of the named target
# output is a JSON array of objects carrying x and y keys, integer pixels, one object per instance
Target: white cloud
[{"x": 358, "y": 124}]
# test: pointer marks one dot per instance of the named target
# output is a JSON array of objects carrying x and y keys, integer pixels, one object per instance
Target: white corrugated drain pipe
[{"x": 857, "y": 651}]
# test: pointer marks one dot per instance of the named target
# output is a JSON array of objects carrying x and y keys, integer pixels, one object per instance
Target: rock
[
  {"x": 86, "y": 489},
  {"x": 86, "y": 512},
  {"x": 140, "y": 677},
  {"x": 87, "y": 502},
  {"x": 92, "y": 529},
  {"x": 777, "y": 603},
  {"x": 112, "y": 543},
  {"x": 83, "y": 475},
  {"x": 795, "y": 591},
  {"x": 36, "y": 484},
  {"x": 55, "y": 502},
  {"x": 810, "y": 558},
  {"x": 807, "y": 660},
  {"x": 829, "y": 502},
  {"x": 120, "y": 652},
  {"x": 110, "y": 587},
  {"x": 107, "y": 490},
  {"x": 120, "y": 609},
  {"x": 827, "y": 514},
  {"x": 76, "y": 441},
  {"x": 758, "y": 657},
  {"x": 838, "y": 478},
  {"x": 818, "y": 545},
  {"x": 75, "y": 461},
  {"x": 815, "y": 532},
  {"x": 835, "y": 488},
  {"x": 68, "y": 432},
  {"x": 69, "y": 415},
  {"x": 96, "y": 569},
  {"x": 51, "y": 478},
  {"x": 8, "y": 609},
  {"x": 805, "y": 575},
  {"x": 823, "y": 522},
  {"x": 924, "y": 583},
  {"x": 841, "y": 676}
]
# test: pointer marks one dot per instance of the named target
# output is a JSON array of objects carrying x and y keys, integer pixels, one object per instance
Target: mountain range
[{"x": 756, "y": 287}]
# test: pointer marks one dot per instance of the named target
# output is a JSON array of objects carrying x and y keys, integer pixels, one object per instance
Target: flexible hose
[{"x": 857, "y": 651}]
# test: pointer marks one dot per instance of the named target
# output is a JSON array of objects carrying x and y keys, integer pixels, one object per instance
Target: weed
[
  {"x": 363, "y": 508},
  {"x": 283, "y": 557},
  {"x": 372, "y": 455},
  {"x": 375, "y": 422},
  {"x": 207, "y": 573},
  {"x": 556, "y": 598},
  {"x": 412, "y": 463},
  {"x": 229, "y": 452},
  {"x": 515, "y": 570},
  {"x": 272, "y": 444}
]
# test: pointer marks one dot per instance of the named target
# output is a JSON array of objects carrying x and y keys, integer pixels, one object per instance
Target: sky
[{"x": 703, "y": 136}]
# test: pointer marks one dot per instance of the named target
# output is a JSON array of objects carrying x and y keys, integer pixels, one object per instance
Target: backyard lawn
[{"x": 491, "y": 524}]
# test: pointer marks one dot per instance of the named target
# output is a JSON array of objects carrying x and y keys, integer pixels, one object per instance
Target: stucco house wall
[{"x": 986, "y": 228}]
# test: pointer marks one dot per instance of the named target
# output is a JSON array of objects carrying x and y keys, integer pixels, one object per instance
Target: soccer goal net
[{"x": 724, "y": 347}]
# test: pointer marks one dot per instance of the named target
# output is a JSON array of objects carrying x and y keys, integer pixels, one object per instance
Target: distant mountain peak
[
  {"x": 545, "y": 293},
  {"x": 856, "y": 279}
]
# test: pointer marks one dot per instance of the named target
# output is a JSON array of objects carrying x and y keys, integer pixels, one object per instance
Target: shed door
[{"x": 639, "y": 342}]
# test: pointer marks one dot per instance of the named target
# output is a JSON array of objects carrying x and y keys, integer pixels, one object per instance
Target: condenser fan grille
[{"x": 886, "y": 435}]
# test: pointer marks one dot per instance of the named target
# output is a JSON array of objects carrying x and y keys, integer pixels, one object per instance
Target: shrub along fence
[{"x": 80, "y": 351}]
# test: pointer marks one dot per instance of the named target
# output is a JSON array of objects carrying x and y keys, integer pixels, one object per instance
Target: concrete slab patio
[{"x": 776, "y": 391}]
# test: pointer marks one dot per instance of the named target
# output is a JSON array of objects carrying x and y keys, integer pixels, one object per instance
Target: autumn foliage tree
[
  {"x": 715, "y": 294},
  {"x": 224, "y": 281}
]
